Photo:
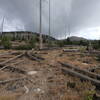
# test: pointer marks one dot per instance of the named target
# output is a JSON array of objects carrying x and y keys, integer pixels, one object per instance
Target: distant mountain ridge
[{"x": 76, "y": 38}]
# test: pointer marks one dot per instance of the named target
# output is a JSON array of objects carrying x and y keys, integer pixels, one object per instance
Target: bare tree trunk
[
  {"x": 41, "y": 40},
  {"x": 49, "y": 23},
  {"x": 49, "y": 18},
  {"x": 2, "y": 25}
]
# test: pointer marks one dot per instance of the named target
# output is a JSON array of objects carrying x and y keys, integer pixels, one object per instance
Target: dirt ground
[{"x": 45, "y": 80}]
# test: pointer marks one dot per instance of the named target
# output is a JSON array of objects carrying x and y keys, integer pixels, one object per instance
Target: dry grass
[
  {"x": 50, "y": 78},
  {"x": 71, "y": 97},
  {"x": 7, "y": 98}
]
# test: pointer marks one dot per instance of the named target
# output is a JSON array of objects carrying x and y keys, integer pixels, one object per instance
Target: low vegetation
[
  {"x": 6, "y": 42},
  {"x": 96, "y": 44},
  {"x": 89, "y": 95},
  {"x": 7, "y": 98},
  {"x": 98, "y": 57},
  {"x": 33, "y": 42}
]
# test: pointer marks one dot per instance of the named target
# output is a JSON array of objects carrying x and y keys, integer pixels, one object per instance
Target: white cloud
[
  {"x": 90, "y": 33},
  {"x": 24, "y": 14},
  {"x": 12, "y": 25}
]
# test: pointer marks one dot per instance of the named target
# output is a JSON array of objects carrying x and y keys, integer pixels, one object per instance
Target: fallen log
[
  {"x": 13, "y": 69},
  {"x": 14, "y": 58},
  {"x": 8, "y": 53},
  {"x": 16, "y": 63},
  {"x": 81, "y": 76},
  {"x": 12, "y": 80},
  {"x": 31, "y": 57},
  {"x": 71, "y": 50},
  {"x": 83, "y": 71},
  {"x": 6, "y": 66},
  {"x": 38, "y": 57},
  {"x": 50, "y": 48},
  {"x": 34, "y": 57},
  {"x": 3, "y": 67}
]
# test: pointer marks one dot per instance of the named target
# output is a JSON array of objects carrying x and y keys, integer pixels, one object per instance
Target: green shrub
[
  {"x": 60, "y": 43},
  {"x": 24, "y": 47},
  {"x": 96, "y": 44},
  {"x": 82, "y": 49},
  {"x": 98, "y": 58},
  {"x": 6, "y": 42},
  {"x": 32, "y": 42},
  {"x": 89, "y": 95},
  {"x": 83, "y": 43}
]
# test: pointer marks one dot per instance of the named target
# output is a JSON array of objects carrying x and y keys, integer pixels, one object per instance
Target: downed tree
[
  {"x": 71, "y": 50},
  {"x": 83, "y": 71},
  {"x": 13, "y": 69},
  {"x": 8, "y": 53},
  {"x": 34, "y": 56},
  {"x": 16, "y": 63},
  {"x": 81, "y": 76},
  {"x": 12, "y": 80},
  {"x": 14, "y": 58}
]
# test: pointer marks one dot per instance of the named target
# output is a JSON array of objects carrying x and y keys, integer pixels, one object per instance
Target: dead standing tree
[
  {"x": 2, "y": 26},
  {"x": 41, "y": 40},
  {"x": 40, "y": 30}
]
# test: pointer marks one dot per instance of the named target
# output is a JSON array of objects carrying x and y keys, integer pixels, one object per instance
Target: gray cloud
[{"x": 83, "y": 16}]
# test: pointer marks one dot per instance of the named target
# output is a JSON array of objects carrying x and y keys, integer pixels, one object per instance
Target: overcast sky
[{"x": 83, "y": 17}]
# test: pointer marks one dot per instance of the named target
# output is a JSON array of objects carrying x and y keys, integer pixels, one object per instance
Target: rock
[{"x": 32, "y": 72}]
